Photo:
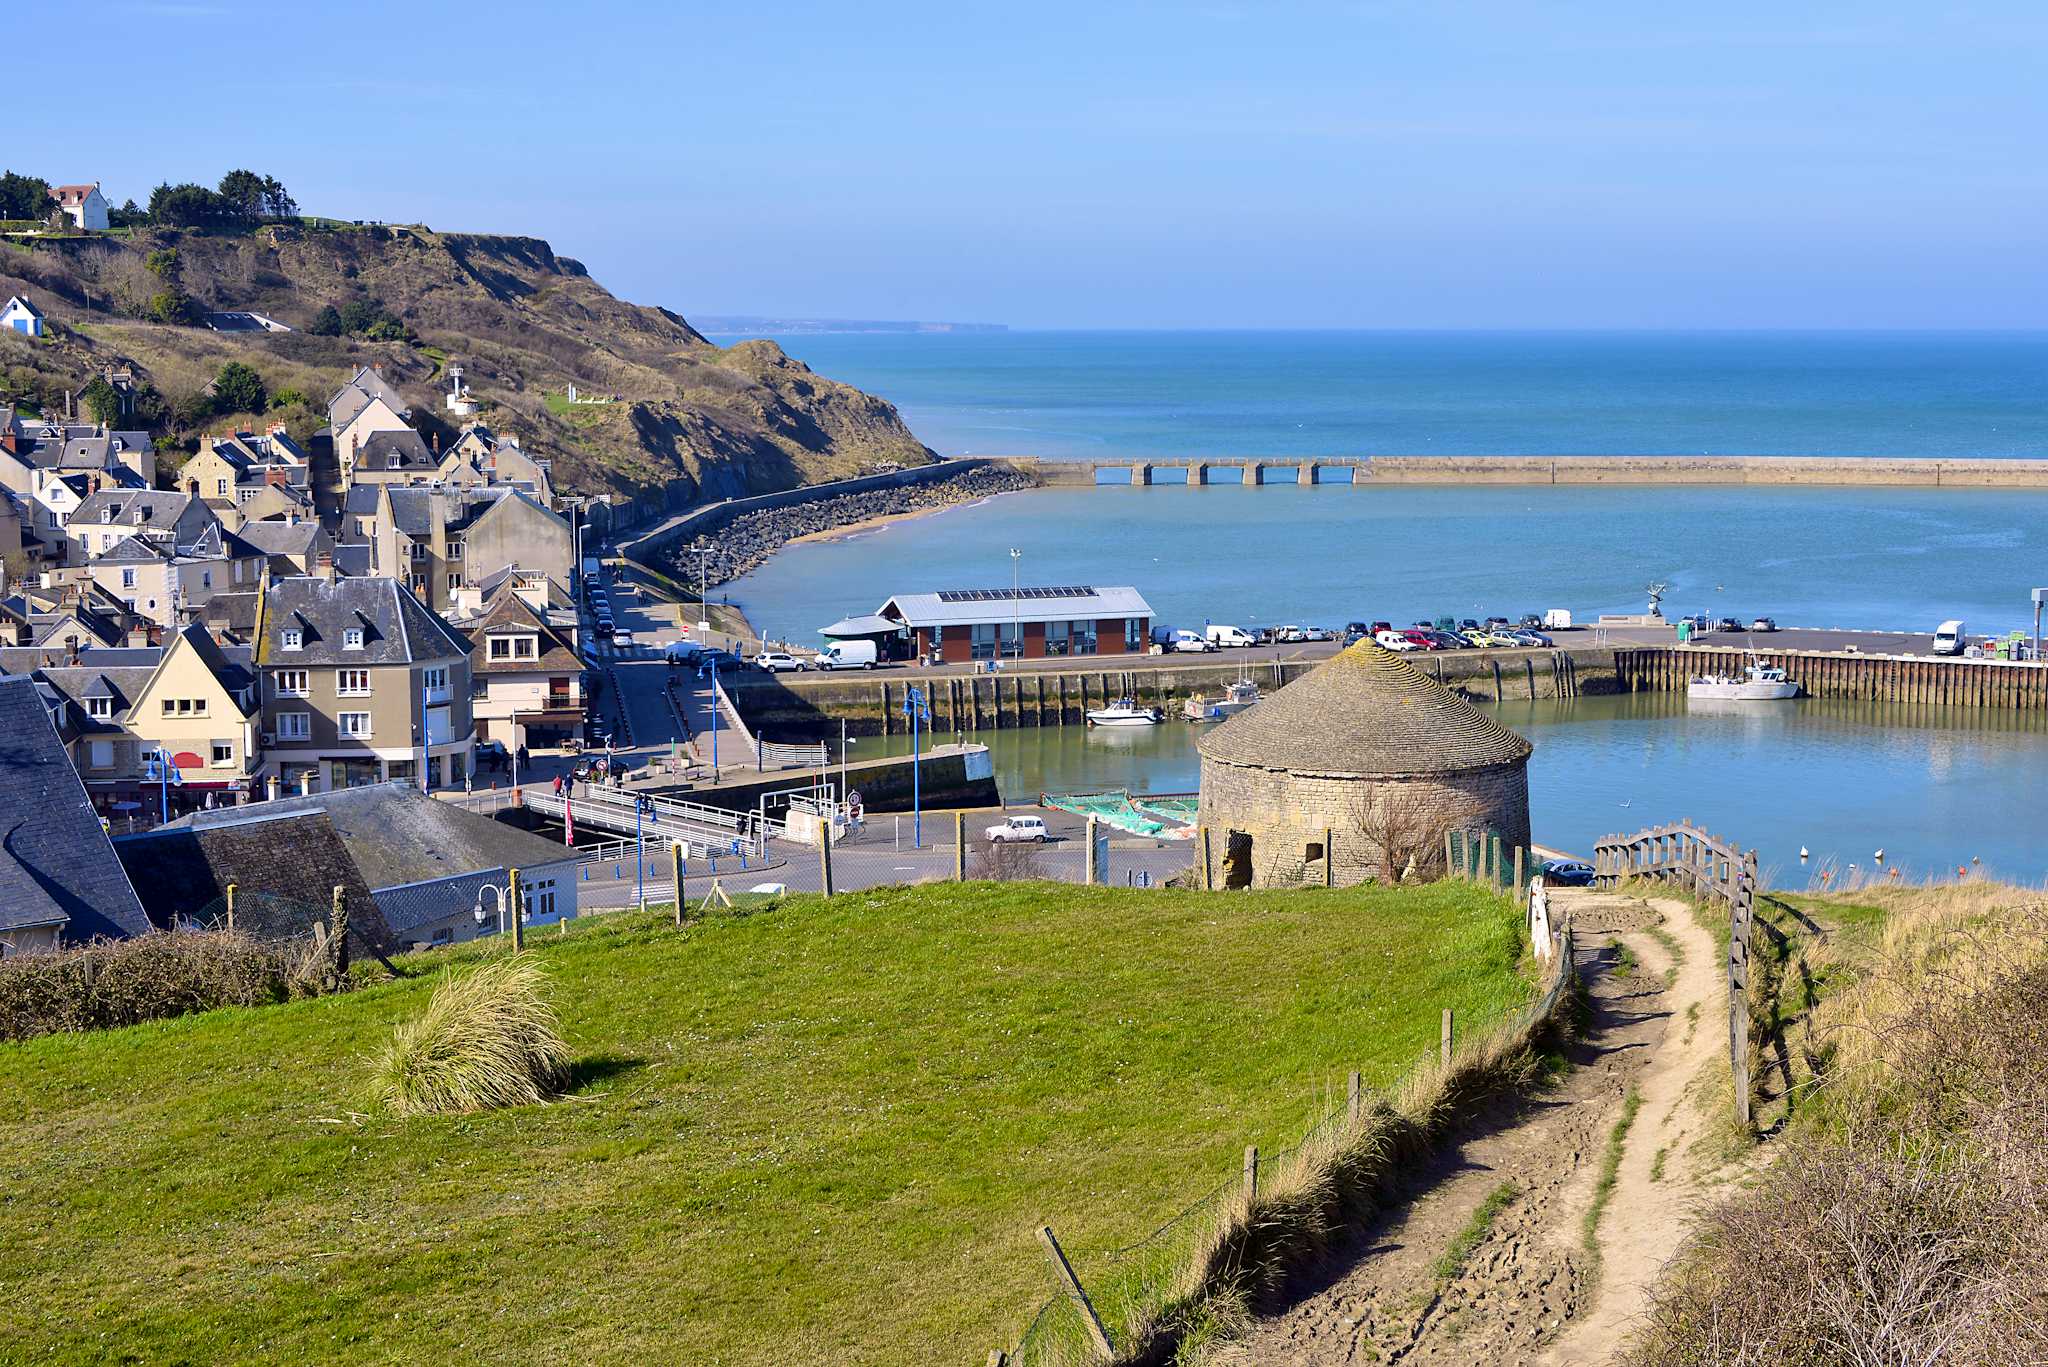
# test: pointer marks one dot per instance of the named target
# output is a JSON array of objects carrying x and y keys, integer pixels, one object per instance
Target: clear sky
[{"x": 1434, "y": 163}]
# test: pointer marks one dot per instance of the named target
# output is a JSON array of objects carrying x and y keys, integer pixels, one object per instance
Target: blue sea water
[{"x": 1363, "y": 393}]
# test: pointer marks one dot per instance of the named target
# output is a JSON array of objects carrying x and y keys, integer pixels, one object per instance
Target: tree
[
  {"x": 241, "y": 192},
  {"x": 327, "y": 322},
  {"x": 129, "y": 215},
  {"x": 386, "y": 329},
  {"x": 359, "y": 315},
  {"x": 171, "y": 307},
  {"x": 285, "y": 398},
  {"x": 193, "y": 410},
  {"x": 163, "y": 263},
  {"x": 101, "y": 400},
  {"x": 276, "y": 202},
  {"x": 188, "y": 206},
  {"x": 24, "y": 197},
  {"x": 238, "y": 389}
]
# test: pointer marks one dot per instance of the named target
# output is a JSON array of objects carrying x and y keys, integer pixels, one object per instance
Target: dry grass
[
  {"x": 1906, "y": 1219},
  {"x": 111, "y": 983},
  {"x": 487, "y": 1039}
]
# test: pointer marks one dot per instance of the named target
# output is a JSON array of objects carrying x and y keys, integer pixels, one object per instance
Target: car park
[
  {"x": 778, "y": 662},
  {"x": 1018, "y": 830}
]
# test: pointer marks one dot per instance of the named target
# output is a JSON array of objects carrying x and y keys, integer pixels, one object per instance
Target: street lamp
[
  {"x": 160, "y": 768},
  {"x": 643, "y": 806},
  {"x": 501, "y": 895},
  {"x": 915, "y": 709},
  {"x": 703, "y": 591},
  {"x": 1016, "y": 604}
]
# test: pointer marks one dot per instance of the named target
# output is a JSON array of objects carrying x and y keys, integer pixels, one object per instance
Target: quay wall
[
  {"x": 1949, "y": 682},
  {"x": 795, "y": 707},
  {"x": 951, "y": 777},
  {"x": 1866, "y": 471}
]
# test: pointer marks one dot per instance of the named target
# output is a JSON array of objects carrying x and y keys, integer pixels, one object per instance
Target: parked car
[
  {"x": 1532, "y": 638},
  {"x": 1496, "y": 623},
  {"x": 778, "y": 662},
  {"x": 492, "y": 754},
  {"x": 1567, "y": 873},
  {"x": 1354, "y": 632},
  {"x": 1763, "y": 624},
  {"x": 1727, "y": 624},
  {"x": 1557, "y": 619},
  {"x": 1532, "y": 621},
  {"x": 1489, "y": 638},
  {"x": 682, "y": 652},
  {"x": 1421, "y": 640},
  {"x": 720, "y": 659},
  {"x": 603, "y": 628},
  {"x": 1468, "y": 624},
  {"x": 1287, "y": 635},
  {"x": 1394, "y": 640},
  {"x": 1191, "y": 642},
  {"x": 1378, "y": 627},
  {"x": 1448, "y": 640},
  {"x": 1017, "y": 830},
  {"x": 1318, "y": 634},
  {"x": 1950, "y": 639},
  {"x": 623, "y": 640}
]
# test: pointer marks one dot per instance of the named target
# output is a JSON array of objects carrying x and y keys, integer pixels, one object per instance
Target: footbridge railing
[
  {"x": 1709, "y": 868},
  {"x": 609, "y": 807}
]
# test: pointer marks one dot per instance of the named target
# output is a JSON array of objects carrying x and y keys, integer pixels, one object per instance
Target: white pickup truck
[{"x": 1018, "y": 828}]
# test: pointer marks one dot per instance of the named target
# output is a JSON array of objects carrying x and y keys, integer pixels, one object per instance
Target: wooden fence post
[
  {"x": 959, "y": 847},
  {"x": 1251, "y": 1171},
  {"x": 1354, "y": 1095},
  {"x": 1330, "y": 860},
  {"x": 516, "y": 911},
  {"x": 1063, "y": 1272},
  {"x": 675, "y": 873},
  {"x": 1521, "y": 884},
  {"x": 1444, "y": 1044},
  {"x": 231, "y": 908},
  {"x": 1208, "y": 866},
  {"x": 339, "y": 925},
  {"x": 825, "y": 857}
]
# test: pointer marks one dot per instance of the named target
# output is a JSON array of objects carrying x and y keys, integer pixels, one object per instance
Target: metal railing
[{"x": 613, "y": 808}]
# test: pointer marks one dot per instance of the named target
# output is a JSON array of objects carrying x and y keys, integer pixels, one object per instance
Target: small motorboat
[
  {"x": 1759, "y": 683},
  {"x": 1199, "y": 708},
  {"x": 1236, "y": 698},
  {"x": 1125, "y": 712}
]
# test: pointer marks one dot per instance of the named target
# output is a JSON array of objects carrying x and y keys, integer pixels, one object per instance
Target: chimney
[{"x": 324, "y": 567}]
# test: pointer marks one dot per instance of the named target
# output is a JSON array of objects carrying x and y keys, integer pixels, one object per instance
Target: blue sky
[{"x": 1441, "y": 163}]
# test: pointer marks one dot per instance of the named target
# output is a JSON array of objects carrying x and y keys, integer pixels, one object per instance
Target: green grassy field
[{"x": 822, "y": 1132}]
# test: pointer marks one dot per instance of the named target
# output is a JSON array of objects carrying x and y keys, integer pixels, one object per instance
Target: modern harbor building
[{"x": 958, "y": 625}]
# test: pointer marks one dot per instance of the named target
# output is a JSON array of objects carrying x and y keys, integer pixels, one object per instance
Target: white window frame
[
  {"x": 434, "y": 676},
  {"x": 223, "y": 761},
  {"x": 345, "y": 687},
  {"x": 295, "y": 726},
  {"x": 291, "y": 683},
  {"x": 103, "y": 708},
  {"x": 352, "y": 638},
  {"x": 348, "y": 727},
  {"x": 127, "y": 579},
  {"x": 292, "y": 639}
]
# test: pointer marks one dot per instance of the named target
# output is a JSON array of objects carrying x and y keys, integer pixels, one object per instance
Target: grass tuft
[
  {"x": 1452, "y": 1260},
  {"x": 1610, "y": 1167},
  {"x": 487, "y": 1039}
]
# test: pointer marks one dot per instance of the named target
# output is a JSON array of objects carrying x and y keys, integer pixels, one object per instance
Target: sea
[{"x": 1934, "y": 789}]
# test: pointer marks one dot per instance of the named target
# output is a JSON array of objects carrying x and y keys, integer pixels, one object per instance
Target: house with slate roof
[
  {"x": 424, "y": 861},
  {"x": 357, "y": 675},
  {"x": 60, "y": 880},
  {"x": 529, "y": 680}
]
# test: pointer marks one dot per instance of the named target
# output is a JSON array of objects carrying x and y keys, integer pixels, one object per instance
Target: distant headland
[{"x": 755, "y": 325}]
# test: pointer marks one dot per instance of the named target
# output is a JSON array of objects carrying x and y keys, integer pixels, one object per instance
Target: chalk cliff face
[{"x": 523, "y": 323}]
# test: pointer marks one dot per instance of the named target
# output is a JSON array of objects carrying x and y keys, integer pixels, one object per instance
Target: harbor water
[{"x": 1931, "y": 787}]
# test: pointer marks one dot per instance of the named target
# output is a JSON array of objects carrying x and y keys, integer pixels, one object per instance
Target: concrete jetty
[{"x": 1362, "y": 471}]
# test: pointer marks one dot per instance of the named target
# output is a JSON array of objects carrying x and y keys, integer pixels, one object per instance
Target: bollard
[
  {"x": 825, "y": 857},
  {"x": 675, "y": 873},
  {"x": 517, "y": 911},
  {"x": 959, "y": 847}
]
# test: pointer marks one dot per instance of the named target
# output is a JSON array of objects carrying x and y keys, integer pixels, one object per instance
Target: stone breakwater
[{"x": 748, "y": 539}]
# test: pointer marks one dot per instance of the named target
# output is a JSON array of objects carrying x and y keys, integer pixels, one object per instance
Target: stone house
[
  {"x": 111, "y": 516},
  {"x": 1365, "y": 761},
  {"x": 441, "y": 541},
  {"x": 162, "y": 582},
  {"x": 357, "y": 676},
  {"x": 528, "y": 679}
]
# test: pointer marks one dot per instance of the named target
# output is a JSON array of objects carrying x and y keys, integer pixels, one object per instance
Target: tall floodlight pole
[
  {"x": 1016, "y": 603},
  {"x": 914, "y": 708},
  {"x": 426, "y": 740}
]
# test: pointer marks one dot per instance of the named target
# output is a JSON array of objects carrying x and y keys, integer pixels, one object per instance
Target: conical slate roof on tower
[{"x": 1369, "y": 712}]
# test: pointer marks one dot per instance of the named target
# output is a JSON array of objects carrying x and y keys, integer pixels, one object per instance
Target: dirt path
[{"x": 1528, "y": 1290}]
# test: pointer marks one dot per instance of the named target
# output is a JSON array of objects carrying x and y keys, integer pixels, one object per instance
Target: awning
[{"x": 862, "y": 626}]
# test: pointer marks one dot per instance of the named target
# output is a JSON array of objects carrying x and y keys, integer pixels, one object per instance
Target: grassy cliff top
[
  {"x": 823, "y": 1132},
  {"x": 523, "y": 322}
]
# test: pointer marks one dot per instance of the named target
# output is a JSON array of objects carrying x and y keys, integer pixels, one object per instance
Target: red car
[{"x": 1421, "y": 640}]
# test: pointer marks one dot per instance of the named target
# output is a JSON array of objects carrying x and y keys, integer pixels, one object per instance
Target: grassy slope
[{"x": 819, "y": 1133}]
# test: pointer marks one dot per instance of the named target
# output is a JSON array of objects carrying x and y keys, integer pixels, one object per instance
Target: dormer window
[
  {"x": 352, "y": 638},
  {"x": 102, "y": 708},
  {"x": 294, "y": 639}
]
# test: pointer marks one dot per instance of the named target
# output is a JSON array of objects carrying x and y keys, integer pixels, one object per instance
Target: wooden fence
[{"x": 1708, "y": 868}]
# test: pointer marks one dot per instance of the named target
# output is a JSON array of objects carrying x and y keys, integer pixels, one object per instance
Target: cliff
[{"x": 524, "y": 324}]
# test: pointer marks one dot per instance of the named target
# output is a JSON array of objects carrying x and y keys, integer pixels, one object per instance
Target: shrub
[
  {"x": 326, "y": 323},
  {"x": 239, "y": 389},
  {"x": 487, "y": 1039},
  {"x": 111, "y": 983}
]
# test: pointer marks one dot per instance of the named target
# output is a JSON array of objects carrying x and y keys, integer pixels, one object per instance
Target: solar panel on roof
[{"x": 1004, "y": 595}]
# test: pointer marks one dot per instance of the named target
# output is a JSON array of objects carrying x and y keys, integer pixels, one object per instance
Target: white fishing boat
[
  {"x": 1125, "y": 712},
  {"x": 1759, "y": 683},
  {"x": 1236, "y": 698}
]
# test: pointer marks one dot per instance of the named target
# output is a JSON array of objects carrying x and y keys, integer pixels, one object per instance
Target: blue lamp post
[
  {"x": 914, "y": 708},
  {"x": 165, "y": 773}
]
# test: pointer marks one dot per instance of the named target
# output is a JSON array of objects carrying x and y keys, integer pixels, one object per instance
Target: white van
[
  {"x": 1557, "y": 619},
  {"x": 847, "y": 655},
  {"x": 1190, "y": 641},
  {"x": 1948, "y": 639},
  {"x": 1224, "y": 637}
]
